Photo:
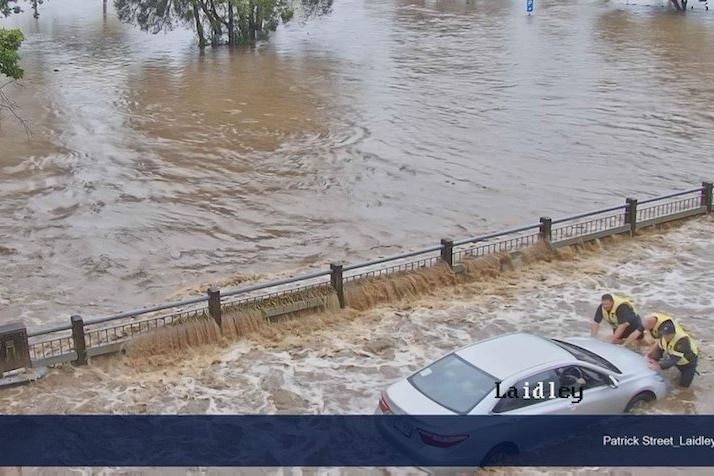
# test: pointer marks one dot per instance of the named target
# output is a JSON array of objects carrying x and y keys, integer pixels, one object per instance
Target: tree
[
  {"x": 220, "y": 21},
  {"x": 10, "y": 41},
  {"x": 10, "y": 6}
]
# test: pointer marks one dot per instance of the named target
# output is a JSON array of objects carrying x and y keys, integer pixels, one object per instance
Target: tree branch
[{"x": 7, "y": 103}]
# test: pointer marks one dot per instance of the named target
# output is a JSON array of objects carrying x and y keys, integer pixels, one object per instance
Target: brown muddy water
[
  {"x": 384, "y": 125},
  {"x": 337, "y": 363}
]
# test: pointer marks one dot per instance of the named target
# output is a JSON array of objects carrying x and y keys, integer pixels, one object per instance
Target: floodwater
[
  {"x": 338, "y": 363},
  {"x": 384, "y": 125}
]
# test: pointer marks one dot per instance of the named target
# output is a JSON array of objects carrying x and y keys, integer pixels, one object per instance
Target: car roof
[{"x": 510, "y": 354}]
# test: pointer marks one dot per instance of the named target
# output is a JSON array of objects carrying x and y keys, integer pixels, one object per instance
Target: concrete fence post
[
  {"x": 447, "y": 252},
  {"x": 707, "y": 188},
  {"x": 80, "y": 344},
  {"x": 14, "y": 347},
  {"x": 214, "y": 306},
  {"x": 546, "y": 229},
  {"x": 338, "y": 283},
  {"x": 631, "y": 215}
]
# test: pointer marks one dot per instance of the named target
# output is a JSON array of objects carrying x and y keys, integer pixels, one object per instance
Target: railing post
[
  {"x": 707, "y": 188},
  {"x": 631, "y": 215},
  {"x": 80, "y": 345},
  {"x": 546, "y": 229},
  {"x": 338, "y": 284},
  {"x": 214, "y": 306},
  {"x": 14, "y": 347},
  {"x": 447, "y": 251}
]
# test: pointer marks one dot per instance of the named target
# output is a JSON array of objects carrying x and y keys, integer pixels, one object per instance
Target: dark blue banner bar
[{"x": 629, "y": 440}]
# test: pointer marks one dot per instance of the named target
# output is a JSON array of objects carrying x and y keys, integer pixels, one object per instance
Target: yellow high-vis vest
[
  {"x": 669, "y": 350},
  {"x": 661, "y": 318},
  {"x": 612, "y": 315}
]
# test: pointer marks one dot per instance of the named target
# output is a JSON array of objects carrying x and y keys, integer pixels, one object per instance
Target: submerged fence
[{"x": 81, "y": 339}]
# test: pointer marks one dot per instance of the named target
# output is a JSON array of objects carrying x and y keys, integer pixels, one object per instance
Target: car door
[
  {"x": 527, "y": 405},
  {"x": 529, "y": 436},
  {"x": 598, "y": 395}
]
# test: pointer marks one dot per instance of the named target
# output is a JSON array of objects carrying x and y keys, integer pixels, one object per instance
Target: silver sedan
[{"x": 522, "y": 374}]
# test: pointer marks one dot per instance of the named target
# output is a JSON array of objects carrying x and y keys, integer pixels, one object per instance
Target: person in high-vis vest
[
  {"x": 622, "y": 316},
  {"x": 653, "y": 327},
  {"x": 653, "y": 324},
  {"x": 678, "y": 349}
]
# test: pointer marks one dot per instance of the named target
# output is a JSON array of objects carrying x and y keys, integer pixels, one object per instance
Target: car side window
[
  {"x": 595, "y": 379},
  {"x": 580, "y": 377},
  {"x": 525, "y": 388}
]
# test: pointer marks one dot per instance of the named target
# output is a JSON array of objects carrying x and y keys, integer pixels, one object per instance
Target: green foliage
[
  {"x": 287, "y": 15},
  {"x": 10, "y": 41}
]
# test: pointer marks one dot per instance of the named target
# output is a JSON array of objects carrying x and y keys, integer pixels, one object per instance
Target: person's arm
[
  {"x": 652, "y": 353},
  {"x": 617, "y": 336},
  {"x": 634, "y": 321},
  {"x": 632, "y": 337},
  {"x": 664, "y": 364},
  {"x": 595, "y": 326},
  {"x": 682, "y": 346}
]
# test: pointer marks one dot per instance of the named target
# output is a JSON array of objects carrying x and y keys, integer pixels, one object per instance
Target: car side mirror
[{"x": 613, "y": 381}]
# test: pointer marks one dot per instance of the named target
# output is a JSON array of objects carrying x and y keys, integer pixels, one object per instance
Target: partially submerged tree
[
  {"x": 218, "y": 21},
  {"x": 10, "y": 70},
  {"x": 11, "y": 6}
]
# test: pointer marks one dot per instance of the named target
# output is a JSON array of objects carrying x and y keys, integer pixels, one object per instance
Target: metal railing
[
  {"x": 505, "y": 241},
  {"x": 598, "y": 221},
  {"x": 81, "y": 339},
  {"x": 410, "y": 261}
]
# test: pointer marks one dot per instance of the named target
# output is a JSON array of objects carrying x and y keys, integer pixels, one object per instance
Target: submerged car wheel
[
  {"x": 639, "y": 401},
  {"x": 499, "y": 454}
]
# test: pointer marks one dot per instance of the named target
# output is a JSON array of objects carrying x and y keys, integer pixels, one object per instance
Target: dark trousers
[{"x": 687, "y": 373}]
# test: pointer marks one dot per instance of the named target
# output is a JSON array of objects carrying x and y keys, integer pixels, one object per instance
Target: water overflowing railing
[{"x": 79, "y": 340}]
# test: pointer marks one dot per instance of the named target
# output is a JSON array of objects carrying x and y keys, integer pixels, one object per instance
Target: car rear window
[
  {"x": 454, "y": 383},
  {"x": 585, "y": 355}
]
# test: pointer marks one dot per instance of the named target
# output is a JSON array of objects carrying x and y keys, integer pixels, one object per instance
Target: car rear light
[
  {"x": 441, "y": 441},
  {"x": 383, "y": 405}
]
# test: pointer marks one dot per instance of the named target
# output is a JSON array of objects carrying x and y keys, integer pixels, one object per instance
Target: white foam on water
[{"x": 342, "y": 367}]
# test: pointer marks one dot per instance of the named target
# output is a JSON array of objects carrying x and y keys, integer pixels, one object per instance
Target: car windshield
[
  {"x": 585, "y": 355},
  {"x": 453, "y": 383}
]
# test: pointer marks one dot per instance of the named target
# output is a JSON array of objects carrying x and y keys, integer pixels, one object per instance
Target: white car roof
[{"x": 510, "y": 354}]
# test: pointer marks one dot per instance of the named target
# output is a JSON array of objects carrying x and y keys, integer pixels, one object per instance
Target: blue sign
[{"x": 529, "y": 6}]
